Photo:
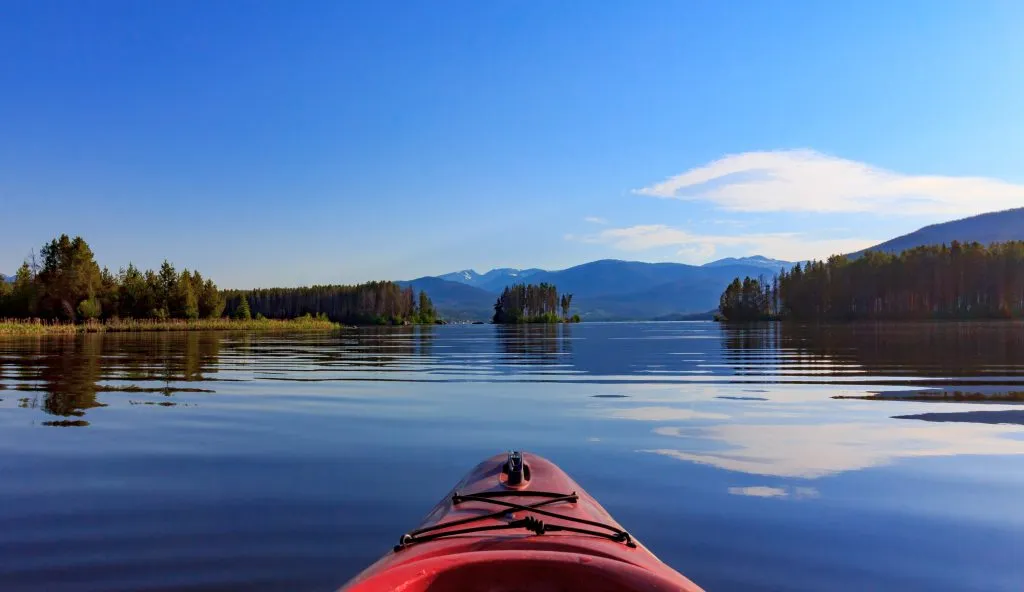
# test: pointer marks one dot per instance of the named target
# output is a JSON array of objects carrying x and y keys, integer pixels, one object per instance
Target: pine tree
[
  {"x": 166, "y": 285},
  {"x": 522, "y": 303},
  {"x": 211, "y": 303},
  {"x": 242, "y": 312},
  {"x": 6, "y": 288},
  {"x": 69, "y": 275},
  {"x": 426, "y": 311},
  {"x": 185, "y": 304}
]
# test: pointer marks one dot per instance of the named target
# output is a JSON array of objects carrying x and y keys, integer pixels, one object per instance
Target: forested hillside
[
  {"x": 959, "y": 281},
  {"x": 992, "y": 227}
]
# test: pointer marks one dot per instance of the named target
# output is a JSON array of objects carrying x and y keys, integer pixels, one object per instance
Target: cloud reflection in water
[
  {"x": 776, "y": 492},
  {"x": 812, "y": 451}
]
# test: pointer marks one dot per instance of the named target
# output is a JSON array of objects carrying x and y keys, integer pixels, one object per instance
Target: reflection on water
[
  {"x": 777, "y": 492},
  {"x": 541, "y": 344},
  {"x": 812, "y": 451},
  {"x": 1004, "y": 416},
  {"x": 71, "y": 371},
  {"x": 921, "y": 349},
  {"x": 288, "y": 462}
]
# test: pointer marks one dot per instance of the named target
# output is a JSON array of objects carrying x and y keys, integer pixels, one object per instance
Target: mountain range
[
  {"x": 772, "y": 265},
  {"x": 608, "y": 289},
  {"x": 618, "y": 290},
  {"x": 493, "y": 280}
]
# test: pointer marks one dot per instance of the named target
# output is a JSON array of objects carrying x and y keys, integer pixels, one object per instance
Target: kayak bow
[{"x": 518, "y": 522}]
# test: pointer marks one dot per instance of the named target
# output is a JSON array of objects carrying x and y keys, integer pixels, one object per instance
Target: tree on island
[
  {"x": 749, "y": 300},
  {"x": 426, "y": 311},
  {"x": 522, "y": 303}
]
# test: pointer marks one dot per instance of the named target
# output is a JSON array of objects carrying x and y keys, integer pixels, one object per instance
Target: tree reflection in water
[{"x": 70, "y": 372}]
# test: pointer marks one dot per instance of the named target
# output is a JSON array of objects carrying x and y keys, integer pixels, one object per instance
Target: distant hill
[
  {"x": 6, "y": 278},
  {"x": 773, "y": 265},
  {"x": 454, "y": 300},
  {"x": 988, "y": 228},
  {"x": 612, "y": 277},
  {"x": 611, "y": 289},
  {"x": 692, "y": 290},
  {"x": 696, "y": 316},
  {"x": 604, "y": 290}
]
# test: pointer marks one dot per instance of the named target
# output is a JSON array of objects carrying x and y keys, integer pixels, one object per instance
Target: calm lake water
[{"x": 290, "y": 462}]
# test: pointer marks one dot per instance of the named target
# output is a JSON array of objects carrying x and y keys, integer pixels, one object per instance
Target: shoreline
[{"x": 31, "y": 327}]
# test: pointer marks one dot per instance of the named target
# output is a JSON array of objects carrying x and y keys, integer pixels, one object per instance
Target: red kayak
[{"x": 514, "y": 523}]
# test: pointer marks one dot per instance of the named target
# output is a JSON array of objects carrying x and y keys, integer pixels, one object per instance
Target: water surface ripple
[{"x": 202, "y": 461}]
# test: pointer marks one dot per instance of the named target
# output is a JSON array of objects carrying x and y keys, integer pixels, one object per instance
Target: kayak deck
[{"x": 518, "y": 522}]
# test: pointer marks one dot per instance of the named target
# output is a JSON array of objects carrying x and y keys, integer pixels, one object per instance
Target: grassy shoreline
[{"x": 18, "y": 327}]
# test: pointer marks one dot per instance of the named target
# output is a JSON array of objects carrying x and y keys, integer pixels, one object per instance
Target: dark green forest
[
  {"x": 370, "y": 303},
  {"x": 958, "y": 281},
  {"x": 753, "y": 299},
  {"x": 522, "y": 303},
  {"x": 66, "y": 284}
]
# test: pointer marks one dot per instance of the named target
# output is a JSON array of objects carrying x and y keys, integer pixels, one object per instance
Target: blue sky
[{"x": 281, "y": 143}]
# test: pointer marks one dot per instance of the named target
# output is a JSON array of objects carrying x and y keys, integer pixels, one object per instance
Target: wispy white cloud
[
  {"x": 701, "y": 247},
  {"x": 808, "y": 181},
  {"x": 596, "y": 220}
]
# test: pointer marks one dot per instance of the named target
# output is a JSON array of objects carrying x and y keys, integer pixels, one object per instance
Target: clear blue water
[{"x": 721, "y": 449}]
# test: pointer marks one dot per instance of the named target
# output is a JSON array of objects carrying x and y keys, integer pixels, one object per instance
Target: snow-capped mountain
[
  {"x": 754, "y": 261},
  {"x": 492, "y": 281}
]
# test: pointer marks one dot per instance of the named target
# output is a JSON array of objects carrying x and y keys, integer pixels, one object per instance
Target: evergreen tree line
[
  {"x": 66, "y": 284},
  {"x": 522, "y": 303},
  {"x": 369, "y": 303},
  {"x": 958, "y": 281}
]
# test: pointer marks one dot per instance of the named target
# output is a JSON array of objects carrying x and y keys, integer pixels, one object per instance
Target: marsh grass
[{"x": 29, "y": 327}]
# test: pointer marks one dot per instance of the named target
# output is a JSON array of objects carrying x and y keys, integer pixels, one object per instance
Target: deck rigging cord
[{"x": 530, "y": 523}]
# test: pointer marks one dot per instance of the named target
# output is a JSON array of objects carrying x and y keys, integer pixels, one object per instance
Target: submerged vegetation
[
  {"x": 522, "y": 303},
  {"x": 959, "y": 281},
  {"x": 65, "y": 291}
]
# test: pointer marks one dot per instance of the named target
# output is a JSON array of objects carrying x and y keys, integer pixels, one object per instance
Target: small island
[
  {"x": 529, "y": 303},
  {"x": 959, "y": 281},
  {"x": 64, "y": 291}
]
